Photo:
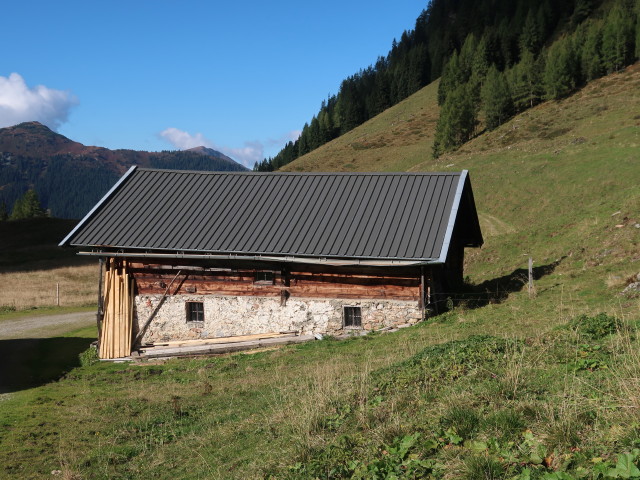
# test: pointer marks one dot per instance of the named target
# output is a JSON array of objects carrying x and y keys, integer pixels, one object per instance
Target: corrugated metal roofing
[{"x": 336, "y": 215}]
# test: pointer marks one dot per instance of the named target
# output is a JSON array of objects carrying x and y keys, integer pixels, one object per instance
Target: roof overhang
[{"x": 336, "y": 262}]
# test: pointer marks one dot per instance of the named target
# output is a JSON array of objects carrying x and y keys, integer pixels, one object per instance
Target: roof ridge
[{"x": 216, "y": 172}]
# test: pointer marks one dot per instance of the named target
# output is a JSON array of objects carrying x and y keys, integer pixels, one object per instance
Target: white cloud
[
  {"x": 183, "y": 140},
  {"x": 250, "y": 153},
  {"x": 20, "y": 103}
]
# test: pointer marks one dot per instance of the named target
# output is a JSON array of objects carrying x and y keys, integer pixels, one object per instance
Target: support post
[
  {"x": 57, "y": 294},
  {"x": 422, "y": 293},
  {"x": 155, "y": 311},
  {"x": 100, "y": 312}
]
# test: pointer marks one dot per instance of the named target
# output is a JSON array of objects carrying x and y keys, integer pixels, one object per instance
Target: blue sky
[{"x": 241, "y": 77}]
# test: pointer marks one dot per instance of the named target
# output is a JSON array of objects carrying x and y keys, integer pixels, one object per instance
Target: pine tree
[
  {"x": 27, "y": 206},
  {"x": 303, "y": 141},
  {"x": 581, "y": 11},
  {"x": 531, "y": 36},
  {"x": 452, "y": 77},
  {"x": 496, "y": 99},
  {"x": 467, "y": 57},
  {"x": 481, "y": 62},
  {"x": 592, "y": 65},
  {"x": 637, "y": 12},
  {"x": 457, "y": 121},
  {"x": 560, "y": 74},
  {"x": 617, "y": 38},
  {"x": 525, "y": 81}
]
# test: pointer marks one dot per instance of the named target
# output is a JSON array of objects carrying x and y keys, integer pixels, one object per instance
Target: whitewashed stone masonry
[{"x": 244, "y": 315}]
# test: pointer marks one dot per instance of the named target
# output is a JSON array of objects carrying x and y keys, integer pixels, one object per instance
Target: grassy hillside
[
  {"x": 395, "y": 140},
  {"x": 559, "y": 182},
  {"x": 504, "y": 386}
]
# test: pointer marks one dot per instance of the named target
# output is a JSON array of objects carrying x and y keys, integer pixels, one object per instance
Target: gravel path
[{"x": 44, "y": 326}]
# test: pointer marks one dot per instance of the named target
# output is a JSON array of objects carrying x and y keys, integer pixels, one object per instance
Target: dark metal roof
[{"x": 389, "y": 216}]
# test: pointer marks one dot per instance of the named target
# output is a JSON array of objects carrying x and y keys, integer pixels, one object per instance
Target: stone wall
[{"x": 243, "y": 315}]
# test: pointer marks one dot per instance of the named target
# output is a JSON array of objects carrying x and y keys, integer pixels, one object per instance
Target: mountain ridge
[{"x": 70, "y": 177}]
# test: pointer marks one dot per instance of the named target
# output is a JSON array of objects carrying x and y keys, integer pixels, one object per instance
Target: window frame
[
  {"x": 190, "y": 311},
  {"x": 356, "y": 313},
  {"x": 269, "y": 277}
]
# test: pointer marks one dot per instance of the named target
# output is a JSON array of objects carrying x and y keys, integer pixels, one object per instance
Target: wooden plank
[
  {"x": 224, "y": 348},
  {"x": 105, "y": 303},
  {"x": 114, "y": 314},
  {"x": 234, "y": 339}
]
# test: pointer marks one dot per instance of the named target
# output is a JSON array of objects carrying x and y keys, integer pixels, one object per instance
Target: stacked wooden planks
[
  {"x": 117, "y": 321},
  {"x": 217, "y": 346}
]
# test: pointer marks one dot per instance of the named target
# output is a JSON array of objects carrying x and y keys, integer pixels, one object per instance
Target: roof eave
[
  {"x": 65, "y": 240},
  {"x": 453, "y": 214},
  {"x": 333, "y": 261}
]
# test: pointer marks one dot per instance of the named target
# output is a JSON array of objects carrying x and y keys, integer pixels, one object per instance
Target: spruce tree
[
  {"x": 531, "y": 36},
  {"x": 525, "y": 81},
  {"x": 481, "y": 62},
  {"x": 303, "y": 141},
  {"x": 496, "y": 99},
  {"x": 560, "y": 72},
  {"x": 637, "y": 12},
  {"x": 457, "y": 121},
  {"x": 581, "y": 11},
  {"x": 467, "y": 57},
  {"x": 27, "y": 206},
  {"x": 617, "y": 38},
  {"x": 592, "y": 65},
  {"x": 451, "y": 77}
]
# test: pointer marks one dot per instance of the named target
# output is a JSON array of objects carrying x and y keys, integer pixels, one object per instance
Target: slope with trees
[
  {"x": 594, "y": 43},
  {"x": 461, "y": 40}
]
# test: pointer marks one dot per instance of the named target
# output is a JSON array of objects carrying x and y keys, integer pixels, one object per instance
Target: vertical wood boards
[{"x": 117, "y": 323}]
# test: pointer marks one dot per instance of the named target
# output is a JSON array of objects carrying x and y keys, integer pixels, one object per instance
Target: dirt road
[{"x": 45, "y": 326}]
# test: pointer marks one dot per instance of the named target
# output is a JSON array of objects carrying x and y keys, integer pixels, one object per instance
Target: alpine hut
[{"x": 200, "y": 255}]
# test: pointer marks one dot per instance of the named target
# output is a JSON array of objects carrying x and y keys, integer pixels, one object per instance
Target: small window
[
  {"x": 265, "y": 278},
  {"x": 352, "y": 317},
  {"x": 195, "y": 312}
]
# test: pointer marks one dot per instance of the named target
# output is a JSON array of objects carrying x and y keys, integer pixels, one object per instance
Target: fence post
[{"x": 530, "y": 277}]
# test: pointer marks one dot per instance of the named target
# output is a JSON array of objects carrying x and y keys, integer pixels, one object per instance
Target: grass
[
  {"x": 32, "y": 266},
  {"x": 431, "y": 399},
  {"x": 32, "y": 362},
  {"x": 11, "y": 314},
  {"x": 503, "y": 386},
  {"x": 37, "y": 288}
]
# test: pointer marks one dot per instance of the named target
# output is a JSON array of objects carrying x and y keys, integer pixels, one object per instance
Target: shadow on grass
[
  {"x": 32, "y": 362},
  {"x": 497, "y": 290}
]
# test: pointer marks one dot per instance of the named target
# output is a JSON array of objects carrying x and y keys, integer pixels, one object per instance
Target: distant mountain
[
  {"x": 70, "y": 177},
  {"x": 207, "y": 151}
]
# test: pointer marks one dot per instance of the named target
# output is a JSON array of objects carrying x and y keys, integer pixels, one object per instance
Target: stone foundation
[{"x": 230, "y": 315}]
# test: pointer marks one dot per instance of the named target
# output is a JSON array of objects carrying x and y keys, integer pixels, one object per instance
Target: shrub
[
  {"x": 596, "y": 327},
  {"x": 89, "y": 356}
]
